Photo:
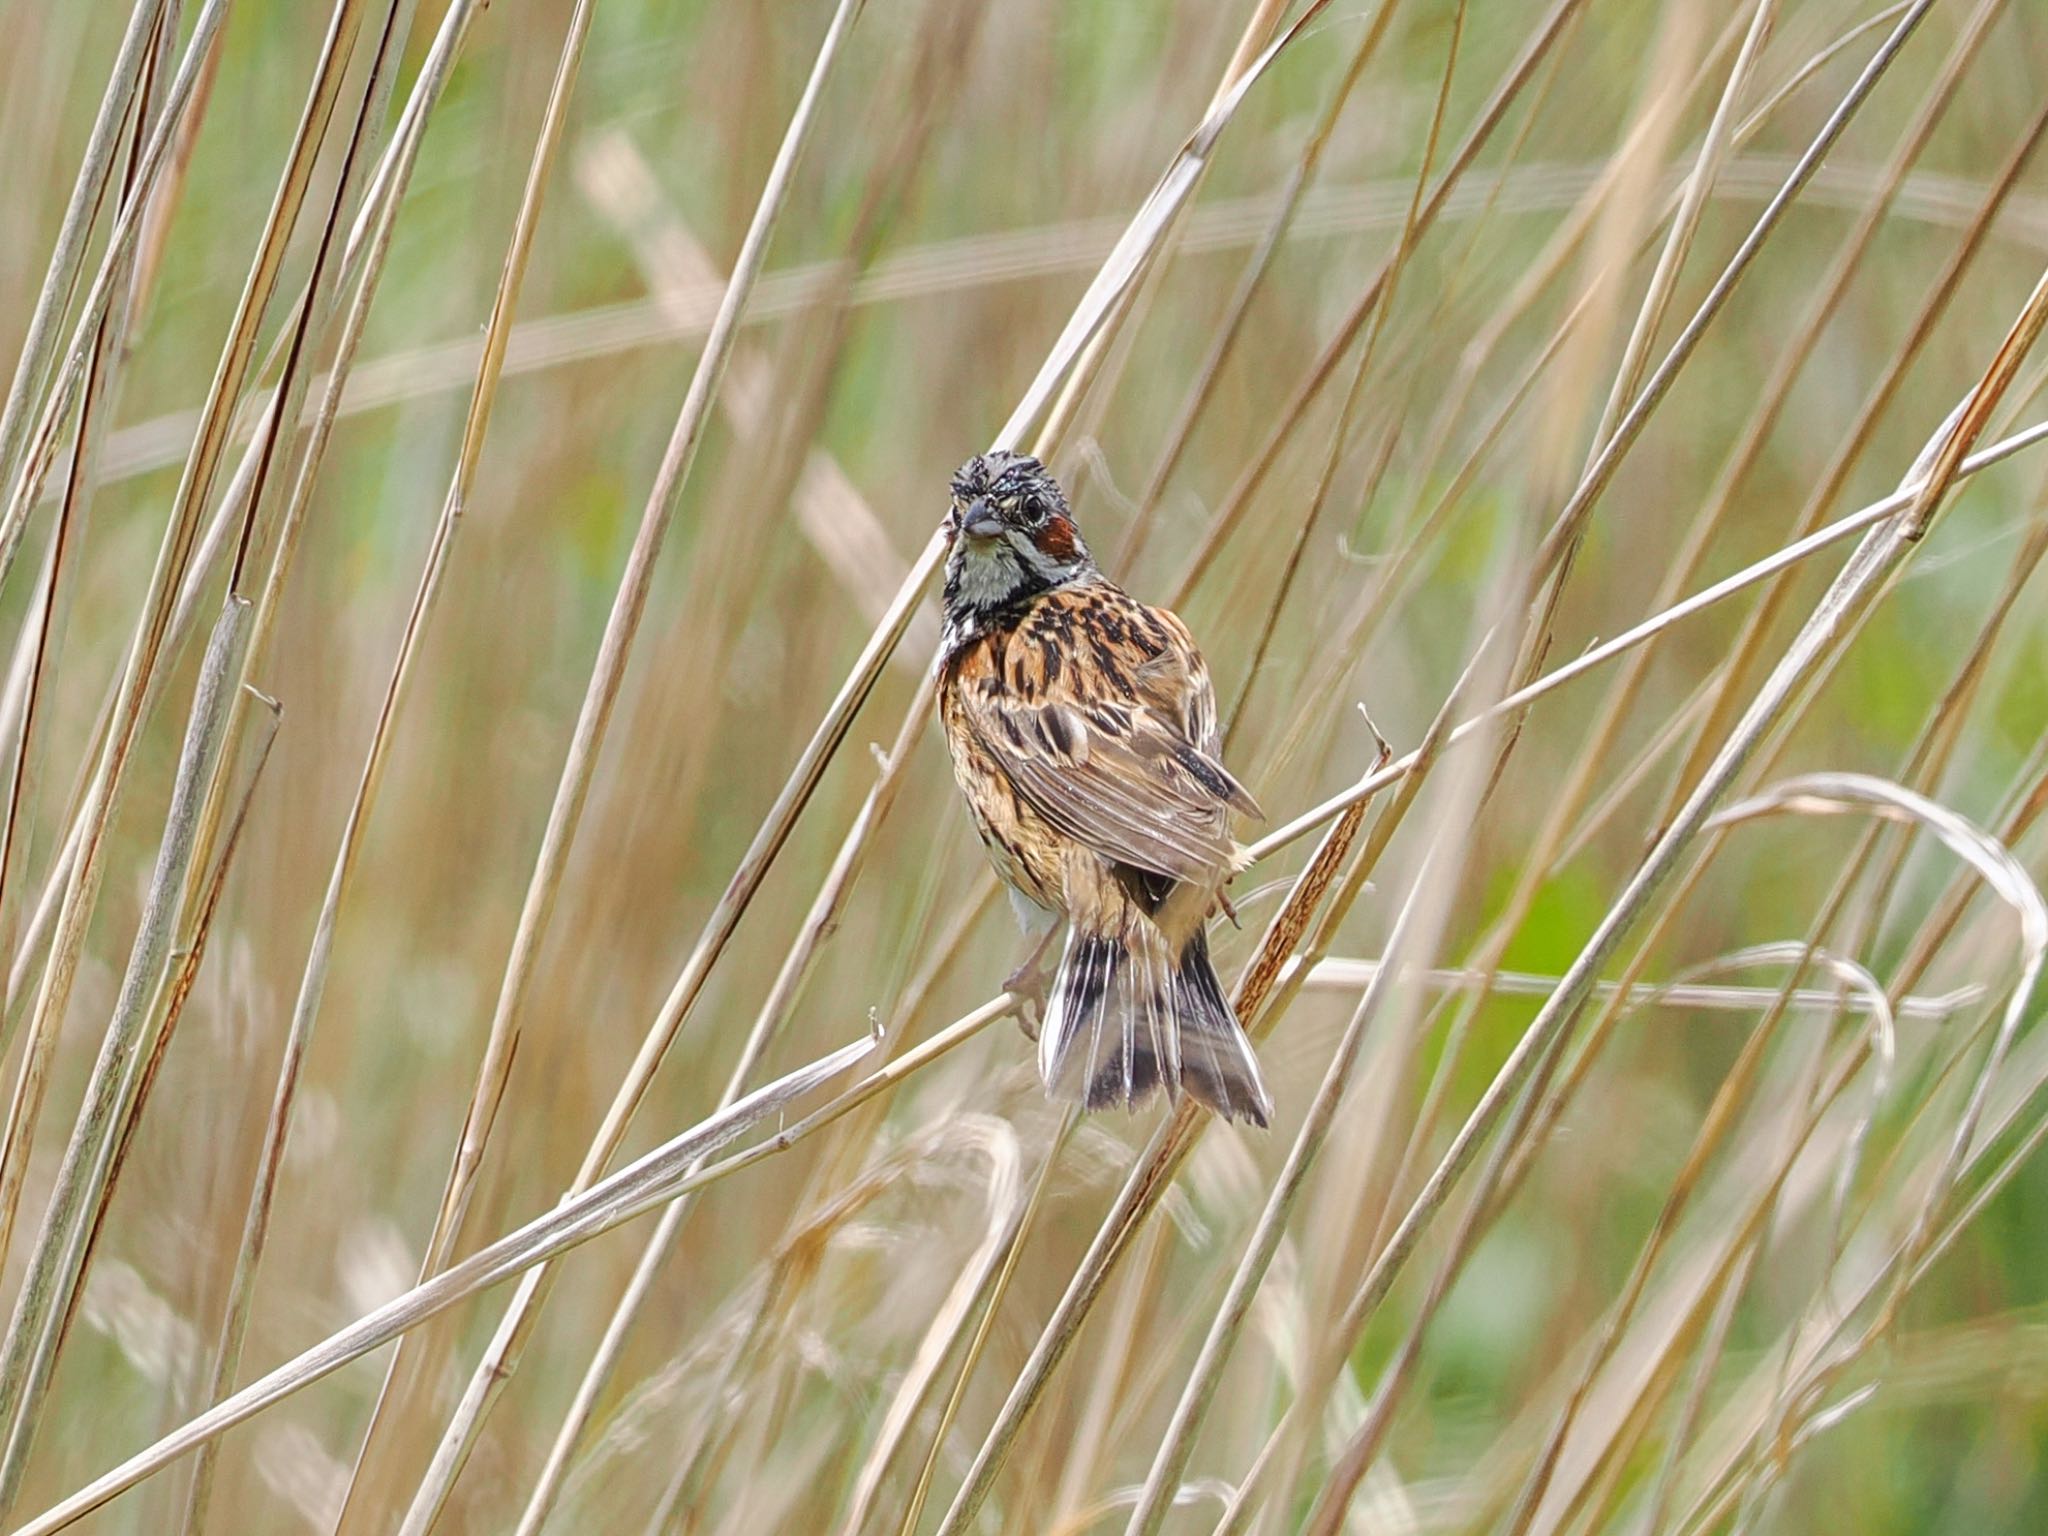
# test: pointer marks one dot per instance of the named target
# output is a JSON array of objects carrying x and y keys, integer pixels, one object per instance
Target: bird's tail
[{"x": 1126, "y": 1018}]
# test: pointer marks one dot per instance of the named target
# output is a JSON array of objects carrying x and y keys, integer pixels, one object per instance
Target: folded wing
[{"x": 1114, "y": 741}]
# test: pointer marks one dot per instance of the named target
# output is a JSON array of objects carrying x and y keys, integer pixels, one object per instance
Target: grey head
[{"x": 1013, "y": 539}]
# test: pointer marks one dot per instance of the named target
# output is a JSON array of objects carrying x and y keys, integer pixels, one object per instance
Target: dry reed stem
[
  {"x": 67, "y": 256},
  {"x": 111, "y": 342},
  {"x": 55, "y": 1266},
  {"x": 80, "y": 885},
  {"x": 476, "y": 423},
  {"x": 21, "y": 1380},
  {"x": 837, "y": 520},
  {"x": 823, "y": 916},
  {"x": 1345, "y": 974},
  {"x": 1543, "y": 856},
  {"x": 1924, "y": 760},
  {"x": 1155, "y": 1163},
  {"x": 1749, "y": 642},
  {"x": 1425, "y": 907},
  {"x": 1567, "y": 531},
  {"x": 1615, "y": 1409},
  {"x": 1523, "y": 1073},
  {"x": 972, "y": 262},
  {"x": 200, "y": 797},
  {"x": 647, "y": 1182},
  {"x": 565, "y": 814},
  {"x": 363, "y": 261},
  {"x": 1791, "y": 554},
  {"x": 1241, "y": 494},
  {"x": 1835, "y": 793},
  {"x": 1354, "y": 798},
  {"x": 1123, "y": 268},
  {"x": 1250, "y": 282},
  {"x": 1684, "y": 225}
]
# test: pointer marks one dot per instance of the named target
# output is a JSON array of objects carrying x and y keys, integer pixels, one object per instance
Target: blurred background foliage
[{"x": 972, "y": 165}]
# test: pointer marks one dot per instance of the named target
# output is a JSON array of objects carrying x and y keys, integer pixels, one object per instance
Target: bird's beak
[{"x": 978, "y": 522}]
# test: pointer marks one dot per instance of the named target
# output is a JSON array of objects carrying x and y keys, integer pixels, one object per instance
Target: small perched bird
[{"x": 1083, "y": 731}]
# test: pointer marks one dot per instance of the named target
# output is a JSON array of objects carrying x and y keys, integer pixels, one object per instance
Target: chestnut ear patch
[{"x": 1056, "y": 538}]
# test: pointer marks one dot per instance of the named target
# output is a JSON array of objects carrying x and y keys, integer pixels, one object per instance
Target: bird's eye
[{"x": 1035, "y": 512}]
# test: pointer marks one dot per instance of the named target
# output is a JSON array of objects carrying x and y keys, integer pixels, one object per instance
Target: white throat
[{"x": 985, "y": 577}]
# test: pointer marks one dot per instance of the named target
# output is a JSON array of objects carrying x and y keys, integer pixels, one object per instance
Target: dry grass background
[{"x": 1673, "y": 1172}]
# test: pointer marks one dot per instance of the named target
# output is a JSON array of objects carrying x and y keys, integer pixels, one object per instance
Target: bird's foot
[
  {"x": 1032, "y": 982},
  {"x": 1028, "y": 1019}
]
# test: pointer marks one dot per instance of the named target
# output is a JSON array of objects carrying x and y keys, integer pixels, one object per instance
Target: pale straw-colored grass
[{"x": 550, "y": 831}]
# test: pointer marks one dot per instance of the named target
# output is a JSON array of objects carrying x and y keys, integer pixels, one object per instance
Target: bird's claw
[
  {"x": 1031, "y": 982},
  {"x": 1028, "y": 1020}
]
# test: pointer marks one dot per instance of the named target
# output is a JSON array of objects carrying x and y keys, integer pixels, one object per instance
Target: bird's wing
[{"x": 1100, "y": 712}]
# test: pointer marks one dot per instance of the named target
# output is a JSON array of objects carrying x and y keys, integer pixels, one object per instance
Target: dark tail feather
[{"x": 1123, "y": 1020}]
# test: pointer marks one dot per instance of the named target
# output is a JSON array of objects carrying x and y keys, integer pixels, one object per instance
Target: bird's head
[{"x": 1013, "y": 537}]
